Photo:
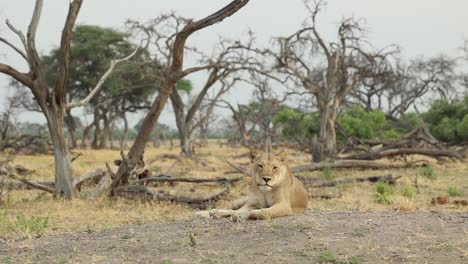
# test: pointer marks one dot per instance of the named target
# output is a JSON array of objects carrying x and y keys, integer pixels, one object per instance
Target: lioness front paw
[{"x": 240, "y": 216}]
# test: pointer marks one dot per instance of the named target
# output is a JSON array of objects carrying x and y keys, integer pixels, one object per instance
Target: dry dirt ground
[{"x": 313, "y": 237}]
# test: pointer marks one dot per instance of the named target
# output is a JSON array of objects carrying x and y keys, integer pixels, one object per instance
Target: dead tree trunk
[{"x": 173, "y": 74}]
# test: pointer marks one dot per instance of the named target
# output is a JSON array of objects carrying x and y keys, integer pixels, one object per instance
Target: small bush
[
  {"x": 428, "y": 172},
  {"x": 453, "y": 191},
  {"x": 382, "y": 192},
  {"x": 327, "y": 172}
]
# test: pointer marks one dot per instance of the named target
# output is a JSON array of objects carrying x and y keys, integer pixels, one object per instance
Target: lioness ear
[
  {"x": 254, "y": 153},
  {"x": 282, "y": 155}
]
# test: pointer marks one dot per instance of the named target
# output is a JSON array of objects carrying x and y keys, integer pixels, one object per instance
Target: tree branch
[
  {"x": 20, "y": 52},
  {"x": 101, "y": 81},
  {"x": 18, "y": 33},
  {"x": 20, "y": 77},
  {"x": 64, "y": 51}
]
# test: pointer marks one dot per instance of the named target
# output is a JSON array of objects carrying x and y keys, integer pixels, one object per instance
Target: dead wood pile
[{"x": 417, "y": 142}]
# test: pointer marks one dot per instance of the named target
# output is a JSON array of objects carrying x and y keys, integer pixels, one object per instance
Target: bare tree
[
  {"x": 173, "y": 71},
  {"x": 52, "y": 100},
  {"x": 186, "y": 122},
  {"x": 420, "y": 79},
  {"x": 329, "y": 81}
]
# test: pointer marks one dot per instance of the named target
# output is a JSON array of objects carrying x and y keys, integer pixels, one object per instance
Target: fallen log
[
  {"x": 35, "y": 185},
  {"x": 134, "y": 191},
  {"x": 317, "y": 183},
  {"x": 200, "y": 203},
  {"x": 358, "y": 164},
  {"x": 142, "y": 192},
  {"x": 94, "y": 176},
  {"x": 403, "y": 151},
  {"x": 237, "y": 168},
  {"x": 169, "y": 178},
  {"x": 164, "y": 156}
]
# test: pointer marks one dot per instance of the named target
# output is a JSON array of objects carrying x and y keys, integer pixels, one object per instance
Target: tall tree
[
  {"x": 327, "y": 70},
  {"x": 51, "y": 100},
  {"x": 173, "y": 72},
  {"x": 127, "y": 90}
]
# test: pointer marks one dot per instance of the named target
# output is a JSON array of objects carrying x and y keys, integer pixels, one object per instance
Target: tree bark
[
  {"x": 325, "y": 146},
  {"x": 63, "y": 169}
]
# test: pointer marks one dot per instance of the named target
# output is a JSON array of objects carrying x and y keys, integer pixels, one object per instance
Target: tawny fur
[{"x": 274, "y": 191}]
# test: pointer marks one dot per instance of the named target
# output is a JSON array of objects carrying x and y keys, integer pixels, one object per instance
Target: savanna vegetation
[{"x": 365, "y": 128}]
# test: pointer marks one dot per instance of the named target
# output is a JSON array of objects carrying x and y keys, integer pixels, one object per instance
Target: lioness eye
[
  {"x": 260, "y": 166},
  {"x": 275, "y": 168}
]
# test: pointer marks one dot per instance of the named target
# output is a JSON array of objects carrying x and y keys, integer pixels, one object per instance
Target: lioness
[{"x": 274, "y": 191}]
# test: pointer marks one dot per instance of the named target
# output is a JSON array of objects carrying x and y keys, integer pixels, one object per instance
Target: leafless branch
[{"x": 101, "y": 81}]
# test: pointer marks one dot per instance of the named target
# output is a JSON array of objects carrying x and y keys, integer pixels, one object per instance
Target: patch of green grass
[
  {"x": 23, "y": 225},
  {"x": 61, "y": 260},
  {"x": 453, "y": 191},
  {"x": 360, "y": 231},
  {"x": 327, "y": 256},
  {"x": 327, "y": 172},
  {"x": 408, "y": 192},
  {"x": 382, "y": 192},
  {"x": 300, "y": 252},
  {"x": 428, "y": 172},
  {"x": 127, "y": 236},
  {"x": 166, "y": 261},
  {"x": 6, "y": 260}
]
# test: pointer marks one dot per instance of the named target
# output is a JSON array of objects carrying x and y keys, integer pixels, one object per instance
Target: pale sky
[{"x": 419, "y": 27}]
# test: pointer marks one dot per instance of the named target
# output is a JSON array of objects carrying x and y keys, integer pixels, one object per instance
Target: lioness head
[{"x": 268, "y": 169}]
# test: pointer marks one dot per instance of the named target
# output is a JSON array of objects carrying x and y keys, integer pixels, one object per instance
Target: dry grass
[{"x": 88, "y": 213}]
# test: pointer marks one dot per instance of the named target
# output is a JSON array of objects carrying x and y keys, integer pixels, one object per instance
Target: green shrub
[
  {"x": 294, "y": 123},
  {"x": 448, "y": 121},
  {"x": 382, "y": 192},
  {"x": 453, "y": 191},
  {"x": 327, "y": 256},
  {"x": 367, "y": 124},
  {"x": 428, "y": 172},
  {"x": 327, "y": 172}
]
